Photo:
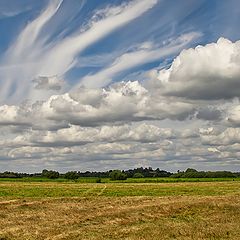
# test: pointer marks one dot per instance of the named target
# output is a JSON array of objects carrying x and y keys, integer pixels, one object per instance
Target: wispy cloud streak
[
  {"x": 31, "y": 56},
  {"x": 137, "y": 58}
]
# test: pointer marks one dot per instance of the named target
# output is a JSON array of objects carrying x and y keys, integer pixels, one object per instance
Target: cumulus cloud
[
  {"x": 120, "y": 103},
  {"x": 75, "y": 135},
  {"x": 13, "y": 115},
  {"x": 206, "y": 72},
  {"x": 227, "y": 137},
  {"x": 213, "y": 149},
  {"x": 135, "y": 141},
  {"x": 48, "y": 83},
  {"x": 233, "y": 115}
]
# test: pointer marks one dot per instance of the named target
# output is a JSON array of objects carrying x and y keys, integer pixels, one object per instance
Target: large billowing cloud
[
  {"x": 75, "y": 135},
  {"x": 120, "y": 103},
  {"x": 205, "y": 72}
]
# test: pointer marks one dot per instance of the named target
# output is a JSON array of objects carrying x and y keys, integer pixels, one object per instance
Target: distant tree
[
  {"x": 220, "y": 174},
  {"x": 117, "y": 175},
  {"x": 44, "y": 173},
  {"x": 50, "y": 174},
  {"x": 7, "y": 174},
  {"x": 237, "y": 174},
  {"x": 138, "y": 175},
  {"x": 192, "y": 173},
  {"x": 53, "y": 174},
  {"x": 161, "y": 173},
  {"x": 71, "y": 175},
  {"x": 191, "y": 170}
]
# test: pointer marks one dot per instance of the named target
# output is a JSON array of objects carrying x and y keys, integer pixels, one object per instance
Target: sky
[{"x": 119, "y": 84}]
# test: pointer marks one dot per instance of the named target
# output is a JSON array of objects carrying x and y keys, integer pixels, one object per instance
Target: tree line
[
  {"x": 124, "y": 174},
  {"x": 193, "y": 173}
]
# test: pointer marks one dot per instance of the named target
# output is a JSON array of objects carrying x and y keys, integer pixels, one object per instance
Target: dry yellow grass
[{"x": 135, "y": 217}]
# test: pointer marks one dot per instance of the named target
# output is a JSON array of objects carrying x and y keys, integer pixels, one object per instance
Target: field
[{"x": 78, "y": 210}]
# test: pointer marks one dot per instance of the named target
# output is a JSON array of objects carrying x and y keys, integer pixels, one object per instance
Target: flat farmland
[{"x": 69, "y": 210}]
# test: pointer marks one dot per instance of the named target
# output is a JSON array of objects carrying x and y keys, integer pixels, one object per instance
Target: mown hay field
[{"x": 68, "y": 210}]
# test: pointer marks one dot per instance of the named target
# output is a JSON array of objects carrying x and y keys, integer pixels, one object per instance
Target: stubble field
[{"x": 61, "y": 210}]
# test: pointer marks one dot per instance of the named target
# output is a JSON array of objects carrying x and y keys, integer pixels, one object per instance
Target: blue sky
[
  {"x": 72, "y": 63},
  {"x": 164, "y": 21}
]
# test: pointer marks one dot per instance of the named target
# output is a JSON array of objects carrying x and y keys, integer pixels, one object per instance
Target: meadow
[
  {"x": 128, "y": 180},
  {"x": 60, "y": 209}
]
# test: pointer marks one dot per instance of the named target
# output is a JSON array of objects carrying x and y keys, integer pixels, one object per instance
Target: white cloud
[
  {"x": 75, "y": 135},
  {"x": 120, "y": 103},
  {"x": 206, "y": 72},
  {"x": 8, "y": 114},
  {"x": 227, "y": 137},
  {"x": 12, "y": 10},
  {"x": 131, "y": 100},
  {"x": 29, "y": 36},
  {"x": 48, "y": 83},
  {"x": 233, "y": 115},
  {"x": 213, "y": 149},
  {"x": 13, "y": 115}
]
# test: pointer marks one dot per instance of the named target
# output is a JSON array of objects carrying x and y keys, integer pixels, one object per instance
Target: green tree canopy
[
  {"x": 71, "y": 175},
  {"x": 138, "y": 175},
  {"x": 117, "y": 175}
]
